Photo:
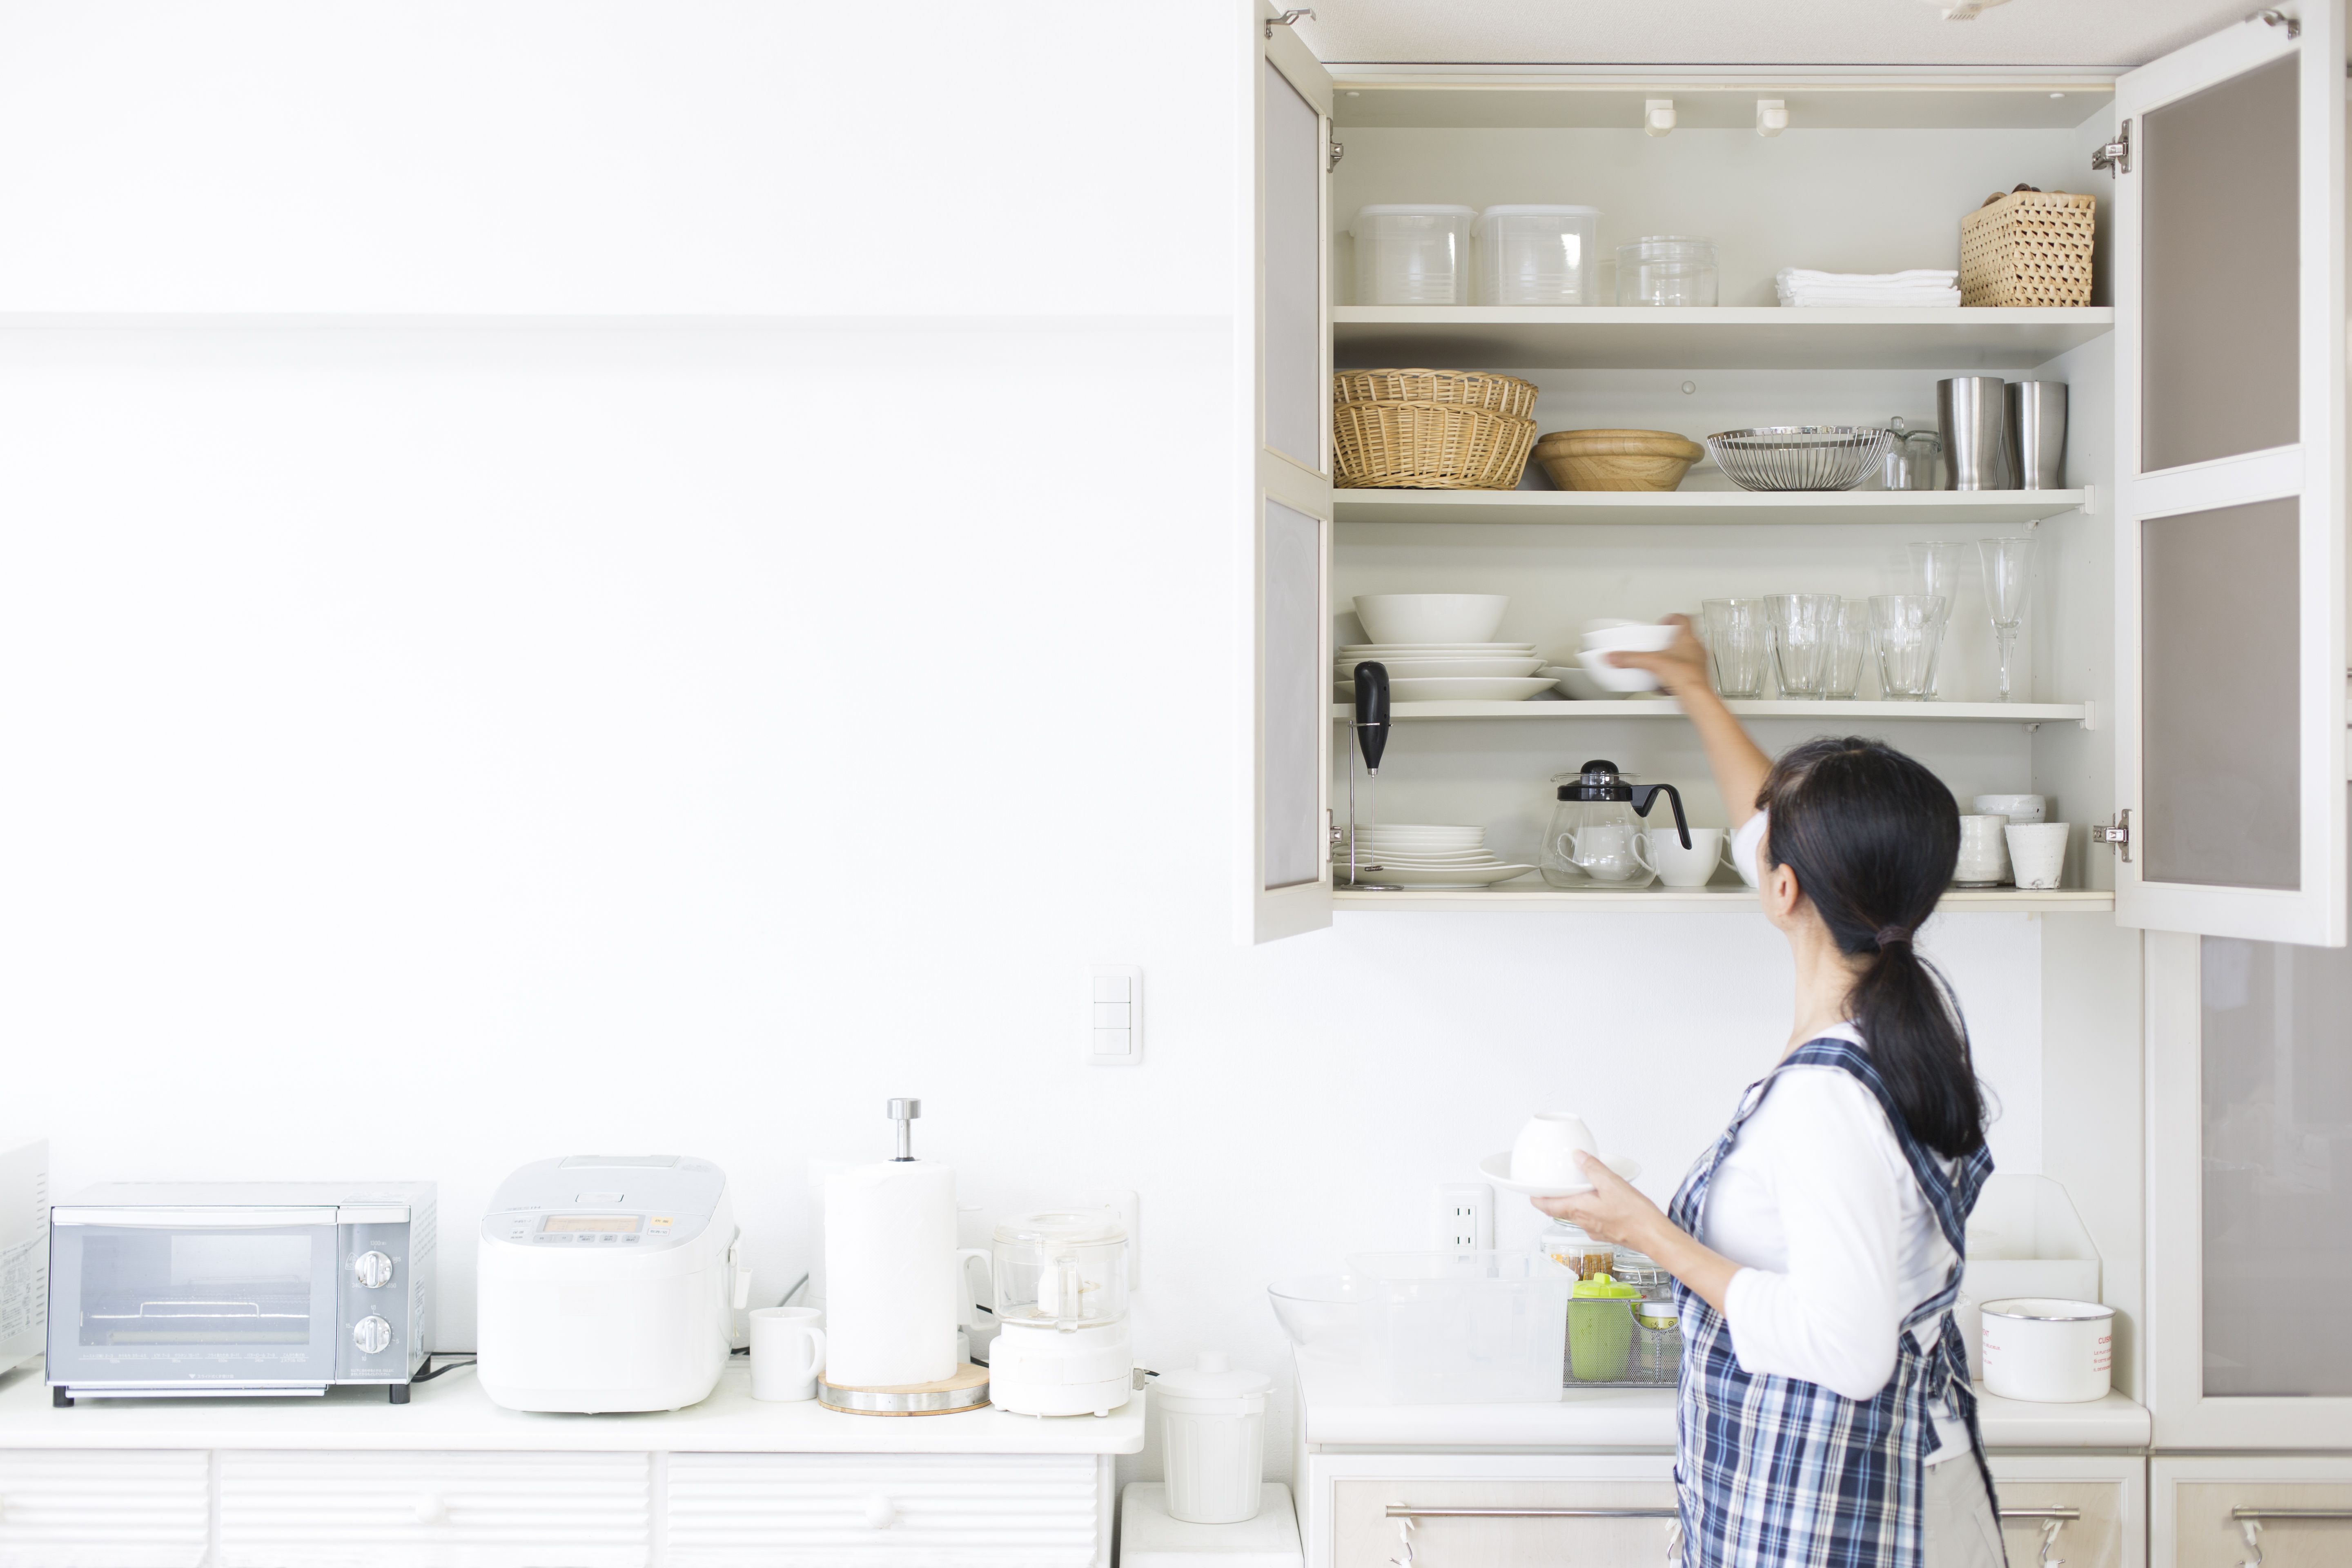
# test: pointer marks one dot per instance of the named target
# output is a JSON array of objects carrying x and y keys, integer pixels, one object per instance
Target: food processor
[{"x": 1062, "y": 1345}]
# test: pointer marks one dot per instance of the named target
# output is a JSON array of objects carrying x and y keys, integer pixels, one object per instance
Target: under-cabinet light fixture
[
  {"x": 1657, "y": 116},
  {"x": 1771, "y": 116}
]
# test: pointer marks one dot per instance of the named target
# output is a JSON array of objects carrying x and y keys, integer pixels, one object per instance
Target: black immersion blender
[{"x": 1371, "y": 739}]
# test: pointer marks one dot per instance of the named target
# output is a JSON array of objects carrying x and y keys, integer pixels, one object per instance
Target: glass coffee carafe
[{"x": 1597, "y": 837}]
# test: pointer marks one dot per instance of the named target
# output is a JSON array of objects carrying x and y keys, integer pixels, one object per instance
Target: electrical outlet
[{"x": 1465, "y": 1216}]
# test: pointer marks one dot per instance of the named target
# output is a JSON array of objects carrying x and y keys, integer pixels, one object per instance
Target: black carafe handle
[
  {"x": 1646, "y": 796},
  {"x": 1372, "y": 711}
]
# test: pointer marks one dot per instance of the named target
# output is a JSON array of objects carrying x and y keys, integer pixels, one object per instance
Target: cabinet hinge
[
  {"x": 2115, "y": 156},
  {"x": 1339, "y": 150},
  {"x": 2117, "y": 837},
  {"x": 2271, "y": 16},
  {"x": 1287, "y": 19}
]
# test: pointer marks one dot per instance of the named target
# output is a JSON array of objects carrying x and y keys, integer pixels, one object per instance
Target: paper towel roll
[{"x": 889, "y": 1274}]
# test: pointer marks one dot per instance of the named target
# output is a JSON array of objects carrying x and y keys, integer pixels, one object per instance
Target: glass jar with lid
[
  {"x": 1636, "y": 1268},
  {"x": 1568, "y": 1246},
  {"x": 1064, "y": 1267}
]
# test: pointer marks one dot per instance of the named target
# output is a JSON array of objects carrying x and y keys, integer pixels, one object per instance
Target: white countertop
[
  {"x": 452, "y": 1413},
  {"x": 1644, "y": 1418}
]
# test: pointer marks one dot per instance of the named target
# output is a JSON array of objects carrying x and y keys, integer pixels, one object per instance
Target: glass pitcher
[
  {"x": 1910, "y": 460},
  {"x": 1595, "y": 839}
]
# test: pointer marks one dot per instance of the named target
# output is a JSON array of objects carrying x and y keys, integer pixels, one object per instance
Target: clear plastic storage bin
[
  {"x": 1535, "y": 255},
  {"x": 1410, "y": 255},
  {"x": 1667, "y": 269},
  {"x": 1434, "y": 1328}
]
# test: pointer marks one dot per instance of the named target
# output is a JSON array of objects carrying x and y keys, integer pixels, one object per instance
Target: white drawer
[
  {"x": 859, "y": 1511},
  {"x": 2197, "y": 1507},
  {"x": 1622, "y": 1520},
  {"x": 2106, "y": 1495},
  {"x": 328, "y": 1510},
  {"x": 112, "y": 1508}
]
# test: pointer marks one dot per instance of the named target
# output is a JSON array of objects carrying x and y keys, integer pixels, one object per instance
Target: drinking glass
[
  {"x": 1738, "y": 644},
  {"x": 2009, "y": 577},
  {"x": 1909, "y": 628},
  {"x": 1805, "y": 630},
  {"x": 1936, "y": 569},
  {"x": 1849, "y": 642}
]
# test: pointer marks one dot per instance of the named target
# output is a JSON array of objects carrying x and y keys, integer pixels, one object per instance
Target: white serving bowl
[
  {"x": 2020, "y": 809},
  {"x": 1628, "y": 639},
  {"x": 1430, "y": 617},
  {"x": 1609, "y": 678}
]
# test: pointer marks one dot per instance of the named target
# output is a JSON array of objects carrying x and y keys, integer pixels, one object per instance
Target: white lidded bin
[
  {"x": 1213, "y": 1433},
  {"x": 2047, "y": 1349},
  {"x": 1413, "y": 255},
  {"x": 1537, "y": 255}
]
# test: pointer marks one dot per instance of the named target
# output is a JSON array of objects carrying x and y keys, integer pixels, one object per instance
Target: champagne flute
[{"x": 2009, "y": 577}]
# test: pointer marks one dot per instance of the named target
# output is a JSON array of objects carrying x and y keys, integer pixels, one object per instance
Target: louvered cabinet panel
[
  {"x": 109, "y": 1509},
  {"x": 330, "y": 1510},
  {"x": 848, "y": 1511}
]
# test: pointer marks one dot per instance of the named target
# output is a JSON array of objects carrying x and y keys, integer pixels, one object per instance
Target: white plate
[
  {"x": 1449, "y": 875},
  {"x": 1482, "y": 689},
  {"x": 1354, "y": 653},
  {"x": 1497, "y": 1168},
  {"x": 1439, "y": 669}
]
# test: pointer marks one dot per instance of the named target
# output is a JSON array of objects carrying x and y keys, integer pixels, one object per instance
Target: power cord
[{"x": 431, "y": 1372}]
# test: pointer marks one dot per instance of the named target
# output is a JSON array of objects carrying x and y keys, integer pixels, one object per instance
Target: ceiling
[{"x": 1760, "y": 32}]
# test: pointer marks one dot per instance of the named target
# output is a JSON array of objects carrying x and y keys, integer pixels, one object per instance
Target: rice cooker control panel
[{"x": 613, "y": 1204}]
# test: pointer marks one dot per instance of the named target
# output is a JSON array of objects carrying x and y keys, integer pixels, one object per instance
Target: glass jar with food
[{"x": 1568, "y": 1246}]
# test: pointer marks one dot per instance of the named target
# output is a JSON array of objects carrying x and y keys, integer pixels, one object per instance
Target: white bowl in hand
[
  {"x": 1546, "y": 1148},
  {"x": 1430, "y": 617},
  {"x": 1609, "y": 678},
  {"x": 1629, "y": 636}
]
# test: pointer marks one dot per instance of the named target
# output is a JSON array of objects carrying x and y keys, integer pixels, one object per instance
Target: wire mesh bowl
[{"x": 1799, "y": 457}]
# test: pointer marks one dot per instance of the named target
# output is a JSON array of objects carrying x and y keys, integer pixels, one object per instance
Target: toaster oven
[{"x": 205, "y": 1289}]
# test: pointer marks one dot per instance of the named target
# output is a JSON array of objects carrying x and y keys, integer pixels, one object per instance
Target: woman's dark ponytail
[{"x": 1873, "y": 837}]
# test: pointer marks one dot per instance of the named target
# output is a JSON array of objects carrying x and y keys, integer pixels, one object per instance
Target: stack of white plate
[
  {"x": 1415, "y": 855},
  {"x": 1446, "y": 671}
]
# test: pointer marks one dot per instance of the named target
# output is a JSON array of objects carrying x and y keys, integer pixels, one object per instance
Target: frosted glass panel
[
  {"x": 1294, "y": 705},
  {"x": 2277, "y": 1106},
  {"x": 2217, "y": 270},
  {"x": 1296, "y": 393},
  {"x": 2221, "y": 802}
]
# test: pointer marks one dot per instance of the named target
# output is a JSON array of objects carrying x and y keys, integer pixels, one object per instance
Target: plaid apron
[{"x": 1775, "y": 1472}]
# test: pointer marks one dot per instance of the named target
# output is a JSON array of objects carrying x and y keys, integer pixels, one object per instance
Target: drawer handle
[
  {"x": 430, "y": 1509},
  {"x": 2053, "y": 1520},
  {"x": 881, "y": 1514},
  {"x": 1399, "y": 1511},
  {"x": 2249, "y": 1522}
]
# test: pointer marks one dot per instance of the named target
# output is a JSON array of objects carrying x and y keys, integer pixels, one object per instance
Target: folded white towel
[
  {"x": 1920, "y": 277},
  {"x": 1883, "y": 298}
]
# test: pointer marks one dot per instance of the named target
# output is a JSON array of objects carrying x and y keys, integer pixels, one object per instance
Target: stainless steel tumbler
[
  {"x": 2037, "y": 432},
  {"x": 1968, "y": 410}
]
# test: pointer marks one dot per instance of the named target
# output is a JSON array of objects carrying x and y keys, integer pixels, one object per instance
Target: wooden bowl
[{"x": 1616, "y": 459}]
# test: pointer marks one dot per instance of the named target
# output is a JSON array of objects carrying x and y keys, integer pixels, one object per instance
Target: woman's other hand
[
  {"x": 1681, "y": 669},
  {"x": 1614, "y": 1211}
]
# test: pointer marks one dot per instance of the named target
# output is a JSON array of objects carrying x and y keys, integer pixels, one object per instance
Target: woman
[{"x": 1825, "y": 1416}]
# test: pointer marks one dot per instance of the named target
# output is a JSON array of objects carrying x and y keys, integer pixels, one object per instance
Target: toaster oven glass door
[{"x": 216, "y": 1303}]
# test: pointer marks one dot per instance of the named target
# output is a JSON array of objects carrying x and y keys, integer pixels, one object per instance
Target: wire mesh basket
[{"x": 1799, "y": 457}]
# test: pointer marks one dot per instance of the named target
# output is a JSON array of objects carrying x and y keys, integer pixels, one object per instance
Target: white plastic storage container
[
  {"x": 1413, "y": 255},
  {"x": 1434, "y": 1328},
  {"x": 1537, "y": 255},
  {"x": 1213, "y": 1437}
]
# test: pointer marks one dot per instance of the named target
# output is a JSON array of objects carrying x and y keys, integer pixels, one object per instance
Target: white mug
[
  {"x": 1984, "y": 856},
  {"x": 1546, "y": 1148},
  {"x": 1691, "y": 867},
  {"x": 2038, "y": 850},
  {"x": 1607, "y": 852},
  {"x": 787, "y": 1352}
]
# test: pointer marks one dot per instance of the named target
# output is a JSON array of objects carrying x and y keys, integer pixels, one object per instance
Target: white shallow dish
[
  {"x": 1439, "y": 668},
  {"x": 1481, "y": 688},
  {"x": 1426, "y": 650},
  {"x": 1426, "y": 857},
  {"x": 1497, "y": 1168},
  {"x": 1447, "y": 876}
]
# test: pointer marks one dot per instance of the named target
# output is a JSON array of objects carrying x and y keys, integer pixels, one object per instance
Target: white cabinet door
[
  {"x": 2272, "y": 1513},
  {"x": 2230, "y": 558},
  {"x": 1489, "y": 1510},
  {"x": 104, "y": 1509},
  {"x": 361, "y": 1509},
  {"x": 875, "y": 1511},
  {"x": 2085, "y": 1511},
  {"x": 1288, "y": 877}
]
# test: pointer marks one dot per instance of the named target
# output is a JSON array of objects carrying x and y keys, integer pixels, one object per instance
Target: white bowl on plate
[
  {"x": 1496, "y": 1169},
  {"x": 1609, "y": 678},
  {"x": 1430, "y": 617}
]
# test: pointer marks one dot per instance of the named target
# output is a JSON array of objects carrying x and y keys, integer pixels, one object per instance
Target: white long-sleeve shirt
[{"x": 1835, "y": 1239}]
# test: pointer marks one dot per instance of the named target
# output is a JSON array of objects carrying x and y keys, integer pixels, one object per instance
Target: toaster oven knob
[
  {"x": 371, "y": 1334},
  {"x": 372, "y": 1270}
]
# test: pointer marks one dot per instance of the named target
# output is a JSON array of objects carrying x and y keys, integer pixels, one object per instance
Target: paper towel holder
[{"x": 903, "y": 1113}]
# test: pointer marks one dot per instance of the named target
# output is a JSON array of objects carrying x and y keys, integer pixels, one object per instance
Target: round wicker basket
[
  {"x": 1428, "y": 446},
  {"x": 1505, "y": 394}
]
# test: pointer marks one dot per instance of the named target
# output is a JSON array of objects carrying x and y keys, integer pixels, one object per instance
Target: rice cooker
[{"x": 608, "y": 1282}]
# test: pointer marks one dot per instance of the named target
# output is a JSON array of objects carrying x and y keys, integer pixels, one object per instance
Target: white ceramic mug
[
  {"x": 1681, "y": 868},
  {"x": 1547, "y": 1147},
  {"x": 1607, "y": 852},
  {"x": 2016, "y": 807},
  {"x": 787, "y": 1352},
  {"x": 1984, "y": 855},
  {"x": 2037, "y": 852}
]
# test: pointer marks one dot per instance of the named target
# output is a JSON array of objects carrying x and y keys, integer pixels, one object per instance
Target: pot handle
[{"x": 1646, "y": 796}]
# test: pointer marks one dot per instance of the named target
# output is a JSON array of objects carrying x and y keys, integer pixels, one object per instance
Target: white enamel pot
[{"x": 2048, "y": 1351}]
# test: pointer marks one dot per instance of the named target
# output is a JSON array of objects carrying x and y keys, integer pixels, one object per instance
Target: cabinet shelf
[
  {"x": 1941, "y": 509},
  {"x": 1532, "y": 894},
  {"x": 1665, "y": 707},
  {"x": 1633, "y": 337}
]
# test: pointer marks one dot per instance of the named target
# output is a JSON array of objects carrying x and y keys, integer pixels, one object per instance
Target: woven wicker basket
[
  {"x": 1505, "y": 394},
  {"x": 2027, "y": 247},
  {"x": 1428, "y": 446}
]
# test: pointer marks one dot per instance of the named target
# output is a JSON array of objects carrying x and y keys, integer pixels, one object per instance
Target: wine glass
[{"x": 2009, "y": 577}]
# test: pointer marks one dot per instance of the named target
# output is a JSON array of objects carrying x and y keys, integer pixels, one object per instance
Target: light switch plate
[{"x": 1114, "y": 1034}]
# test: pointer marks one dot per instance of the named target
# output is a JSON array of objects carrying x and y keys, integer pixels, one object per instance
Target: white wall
[{"x": 435, "y": 746}]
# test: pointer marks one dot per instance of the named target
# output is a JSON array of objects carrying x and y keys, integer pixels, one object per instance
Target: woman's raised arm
[{"x": 1739, "y": 765}]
